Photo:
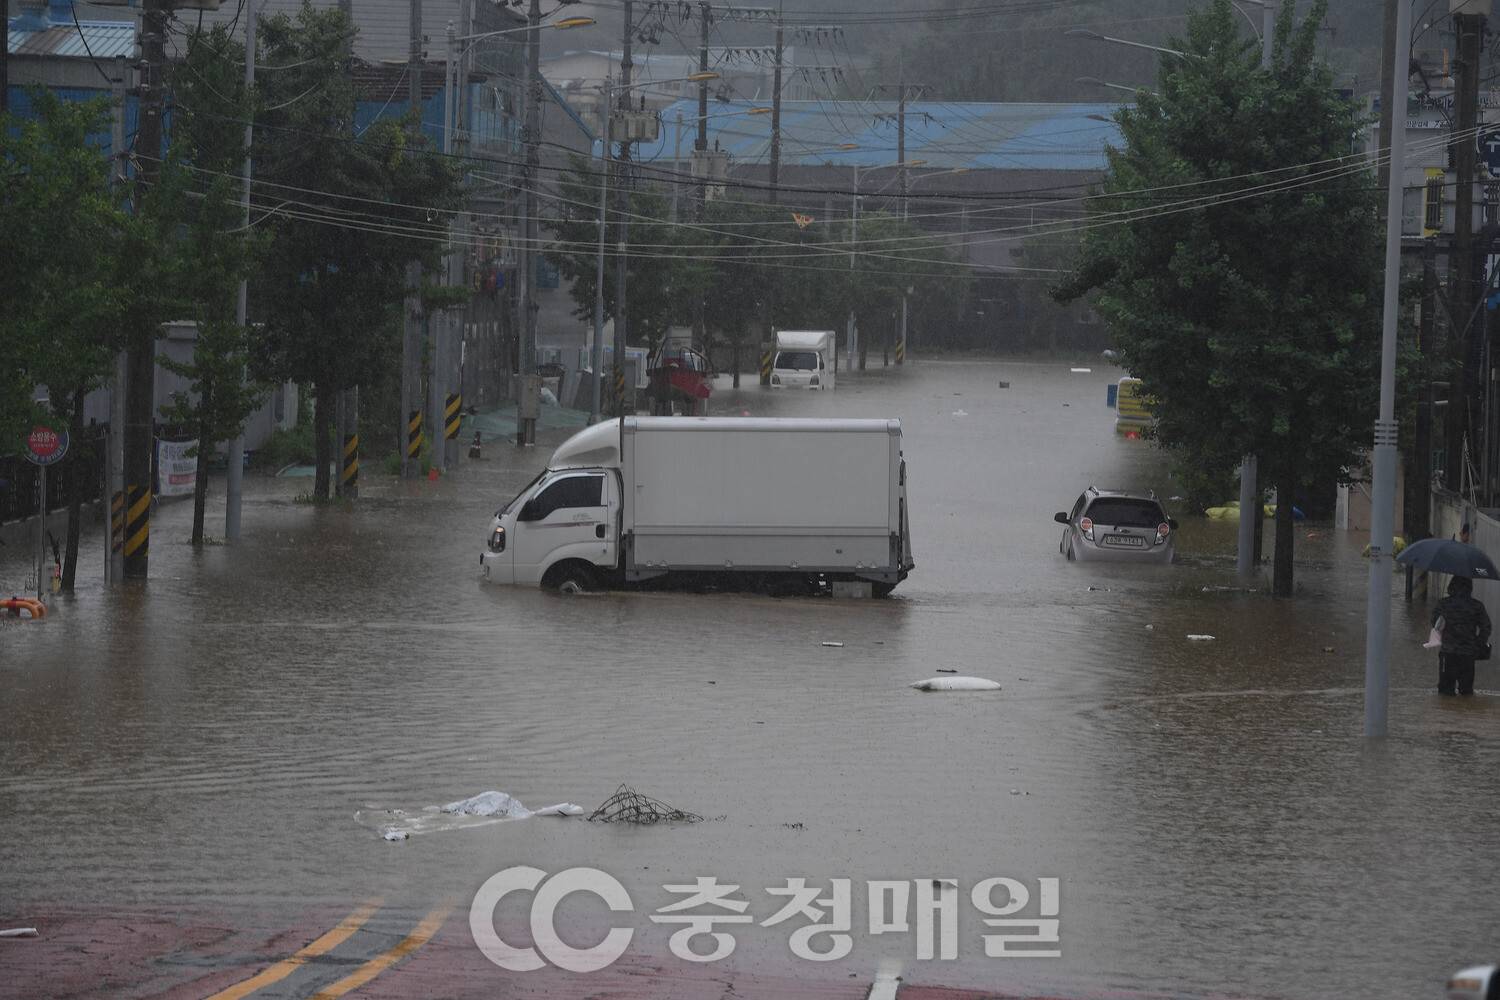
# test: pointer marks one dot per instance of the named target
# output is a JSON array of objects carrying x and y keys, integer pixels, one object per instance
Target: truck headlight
[{"x": 497, "y": 540}]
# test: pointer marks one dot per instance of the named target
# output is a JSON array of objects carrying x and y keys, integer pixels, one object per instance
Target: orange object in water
[
  {"x": 28, "y": 604},
  {"x": 432, "y": 475}
]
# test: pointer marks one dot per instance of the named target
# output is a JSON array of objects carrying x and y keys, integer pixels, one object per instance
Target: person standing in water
[{"x": 1465, "y": 627}]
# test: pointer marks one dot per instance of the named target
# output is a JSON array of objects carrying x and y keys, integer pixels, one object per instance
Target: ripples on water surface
[{"x": 1216, "y": 819}]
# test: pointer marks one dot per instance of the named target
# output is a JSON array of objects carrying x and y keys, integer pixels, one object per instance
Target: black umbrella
[{"x": 1444, "y": 555}]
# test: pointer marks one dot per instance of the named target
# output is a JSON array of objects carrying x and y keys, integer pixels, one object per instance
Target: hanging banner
[{"x": 176, "y": 470}]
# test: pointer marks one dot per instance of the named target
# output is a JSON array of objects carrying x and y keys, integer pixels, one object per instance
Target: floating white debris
[
  {"x": 1150, "y": 628},
  {"x": 837, "y": 645},
  {"x": 18, "y": 932},
  {"x": 1200, "y": 638},
  {"x": 489, "y": 804},
  {"x": 960, "y": 413},
  {"x": 395, "y": 834},
  {"x": 956, "y": 684},
  {"x": 1081, "y": 370}
]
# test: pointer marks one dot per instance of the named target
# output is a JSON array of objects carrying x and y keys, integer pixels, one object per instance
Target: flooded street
[{"x": 1218, "y": 824}]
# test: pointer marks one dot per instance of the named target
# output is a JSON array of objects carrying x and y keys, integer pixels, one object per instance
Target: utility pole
[
  {"x": 700, "y": 157},
  {"x": 623, "y": 198},
  {"x": 235, "y": 456},
  {"x": 531, "y": 131},
  {"x": 114, "y": 564},
  {"x": 1465, "y": 262},
  {"x": 1383, "y": 471},
  {"x": 1417, "y": 508},
  {"x": 346, "y": 434},
  {"x": 776, "y": 109},
  {"x": 1250, "y": 512},
  {"x": 606, "y": 100},
  {"x": 140, "y": 363},
  {"x": 409, "y": 438}
]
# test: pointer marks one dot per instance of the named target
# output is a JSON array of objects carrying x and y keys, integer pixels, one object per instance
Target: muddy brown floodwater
[{"x": 1218, "y": 825}]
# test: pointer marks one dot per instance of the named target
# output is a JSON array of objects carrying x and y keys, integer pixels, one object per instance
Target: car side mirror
[
  {"x": 527, "y": 512},
  {"x": 1172, "y": 523},
  {"x": 1060, "y": 517}
]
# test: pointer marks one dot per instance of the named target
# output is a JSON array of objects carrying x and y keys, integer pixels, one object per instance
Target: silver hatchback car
[{"x": 1123, "y": 527}]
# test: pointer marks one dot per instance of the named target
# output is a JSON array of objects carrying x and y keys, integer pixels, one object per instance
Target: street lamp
[
  {"x": 596, "y": 358},
  {"x": 1094, "y": 35},
  {"x": 1093, "y": 81},
  {"x": 449, "y": 107}
]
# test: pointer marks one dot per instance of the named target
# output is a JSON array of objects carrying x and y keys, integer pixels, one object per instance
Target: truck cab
[{"x": 562, "y": 529}]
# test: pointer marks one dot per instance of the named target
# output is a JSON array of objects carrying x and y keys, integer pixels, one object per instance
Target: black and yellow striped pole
[
  {"x": 414, "y": 436},
  {"x": 620, "y": 389},
  {"x": 349, "y": 469},
  {"x": 137, "y": 538},
  {"x": 117, "y": 522},
  {"x": 452, "y": 416},
  {"x": 901, "y": 351},
  {"x": 765, "y": 364}
]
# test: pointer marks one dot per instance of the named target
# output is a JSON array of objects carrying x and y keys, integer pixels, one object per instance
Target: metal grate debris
[{"x": 627, "y": 805}]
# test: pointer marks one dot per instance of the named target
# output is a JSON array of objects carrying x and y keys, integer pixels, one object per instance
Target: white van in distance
[
  {"x": 788, "y": 505},
  {"x": 804, "y": 359}
]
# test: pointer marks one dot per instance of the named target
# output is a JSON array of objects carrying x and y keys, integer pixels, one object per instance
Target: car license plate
[{"x": 1135, "y": 541}]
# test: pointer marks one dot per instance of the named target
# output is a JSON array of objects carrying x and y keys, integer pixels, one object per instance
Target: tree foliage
[
  {"x": 1239, "y": 275},
  {"x": 333, "y": 276}
]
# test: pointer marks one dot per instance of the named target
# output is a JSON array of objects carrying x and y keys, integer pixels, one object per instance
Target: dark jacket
[{"x": 1466, "y": 625}]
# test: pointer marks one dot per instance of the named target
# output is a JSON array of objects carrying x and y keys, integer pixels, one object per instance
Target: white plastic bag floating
[
  {"x": 956, "y": 684},
  {"x": 503, "y": 806},
  {"x": 489, "y": 804},
  {"x": 1201, "y": 638}
]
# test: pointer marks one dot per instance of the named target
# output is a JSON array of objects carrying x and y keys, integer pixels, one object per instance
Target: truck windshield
[
  {"x": 517, "y": 498},
  {"x": 798, "y": 361}
]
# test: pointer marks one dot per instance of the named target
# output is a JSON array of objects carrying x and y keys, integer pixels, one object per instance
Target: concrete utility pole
[
  {"x": 1467, "y": 261},
  {"x": 114, "y": 554},
  {"x": 776, "y": 109},
  {"x": 1250, "y": 512},
  {"x": 140, "y": 364},
  {"x": 622, "y": 197},
  {"x": 1383, "y": 473},
  {"x": 596, "y": 359},
  {"x": 700, "y": 157},
  {"x": 235, "y": 456},
  {"x": 409, "y": 434},
  {"x": 533, "y": 139}
]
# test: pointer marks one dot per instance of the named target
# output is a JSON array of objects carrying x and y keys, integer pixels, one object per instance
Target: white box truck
[
  {"x": 804, "y": 359},
  {"x": 784, "y": 505}
]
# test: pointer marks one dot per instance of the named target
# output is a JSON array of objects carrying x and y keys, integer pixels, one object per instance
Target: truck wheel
[
  {"x": 880, "y": 588},
  {"x": 573, "y": 578}
]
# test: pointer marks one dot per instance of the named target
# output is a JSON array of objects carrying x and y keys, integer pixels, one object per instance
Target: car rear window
[{"x": 1117, "y": 512}]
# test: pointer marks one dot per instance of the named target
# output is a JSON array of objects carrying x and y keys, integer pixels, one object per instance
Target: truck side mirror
[{"x": 1060, "y": 517}]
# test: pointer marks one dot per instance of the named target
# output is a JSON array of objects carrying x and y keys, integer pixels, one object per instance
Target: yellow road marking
[
  {"x": 375, "y": 966},
  {"x": 287, "y": 966}
]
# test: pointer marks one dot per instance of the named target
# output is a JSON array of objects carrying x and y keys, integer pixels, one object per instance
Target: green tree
[
  {"x": 1239, "y": 275},
  {"x": 209, "y": 142},
  {"x": 345, "y": 216},
  {"x": 84, "y": 274}
]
